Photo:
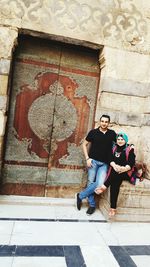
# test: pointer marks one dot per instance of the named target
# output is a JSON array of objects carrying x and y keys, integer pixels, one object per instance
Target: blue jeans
[
  {"x": 97, "y": 173},
  {"x": 96, "y": 177}
]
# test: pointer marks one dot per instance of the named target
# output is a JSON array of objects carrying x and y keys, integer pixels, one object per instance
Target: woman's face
[{"x": 120, "y": 141}]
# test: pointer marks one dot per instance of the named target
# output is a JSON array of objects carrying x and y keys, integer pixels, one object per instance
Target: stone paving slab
[{"x": 41, "y": 232}]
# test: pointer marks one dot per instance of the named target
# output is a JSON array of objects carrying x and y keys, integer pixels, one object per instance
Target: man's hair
[{"x": 105, "y": 116}]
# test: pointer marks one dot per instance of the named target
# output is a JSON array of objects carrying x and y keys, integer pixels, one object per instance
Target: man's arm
[{"x": 85, "y": 151}]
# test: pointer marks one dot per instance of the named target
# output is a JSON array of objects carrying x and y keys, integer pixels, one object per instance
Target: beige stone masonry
[
  {"x": 5, "y": 66},
  {"x": 123, "y": 118},
  {"x": 3, "y": 103},
  {"x": 133, "y": 202},
  {"x": 8, "y": 37},
  {"x": 7, "y": 41},
  {"x": 3, "y": 84},
  {"x": 2, "y": 123},
  {"x": 125, "y": 65},
  {"x": 123, "y": 103},
  {"x": 147, "y": 105},
  {"x": 125, "y": 87}
]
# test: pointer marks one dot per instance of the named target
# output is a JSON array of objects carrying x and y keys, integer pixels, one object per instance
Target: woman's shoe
[
  {"x": 100, "y": 189},
  {"x": 112, "y": 212}
]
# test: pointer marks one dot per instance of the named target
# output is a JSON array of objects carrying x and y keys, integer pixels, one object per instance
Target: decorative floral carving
[
  {"x": 125, "y": 22},
  {"x": 19, "y": 9},
  {"x": 113, "y": 19}
]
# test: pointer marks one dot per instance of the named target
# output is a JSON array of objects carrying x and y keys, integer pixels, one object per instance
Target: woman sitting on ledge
[
  {"x": 120, "y": 166},
  {"x": 116, "y": 174}
]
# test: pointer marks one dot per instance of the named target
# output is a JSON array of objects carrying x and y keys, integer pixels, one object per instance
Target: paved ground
[{"x": 45, "y": 232}]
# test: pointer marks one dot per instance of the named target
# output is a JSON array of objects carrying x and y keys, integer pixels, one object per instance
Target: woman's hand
[
  {"x": 118, "y": 168},
  {"x": 115, "y": 166},
  {"x": 124, "y": 168}
]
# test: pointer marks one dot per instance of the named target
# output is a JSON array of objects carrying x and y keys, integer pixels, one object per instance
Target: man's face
[{"x": 104, "y": 122}]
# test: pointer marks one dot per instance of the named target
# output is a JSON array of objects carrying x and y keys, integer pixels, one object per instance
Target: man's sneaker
[
  {"x": 78, "y": 201},
  {"x": 90, "y": 210}
]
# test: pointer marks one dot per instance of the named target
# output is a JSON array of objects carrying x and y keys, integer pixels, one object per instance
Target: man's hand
[{"x": 89, "y": 162}]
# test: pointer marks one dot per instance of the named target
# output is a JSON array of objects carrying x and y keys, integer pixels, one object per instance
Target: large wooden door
[{"x": 52, "y": 106}]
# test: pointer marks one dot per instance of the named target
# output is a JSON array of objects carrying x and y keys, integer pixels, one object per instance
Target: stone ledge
[{"x": 133, "y": 203}]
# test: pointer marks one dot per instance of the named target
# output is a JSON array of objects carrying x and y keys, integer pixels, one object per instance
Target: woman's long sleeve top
[{"x": 119, "y": 157}]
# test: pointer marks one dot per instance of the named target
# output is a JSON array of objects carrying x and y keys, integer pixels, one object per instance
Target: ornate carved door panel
[{"x": 52, "y": 107}]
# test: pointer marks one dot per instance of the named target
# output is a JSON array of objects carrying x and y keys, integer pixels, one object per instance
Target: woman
[{"x": 119, "y": 168}]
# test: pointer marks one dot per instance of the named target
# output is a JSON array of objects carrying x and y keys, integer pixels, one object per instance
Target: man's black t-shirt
[{"x": 101, "y": 144}]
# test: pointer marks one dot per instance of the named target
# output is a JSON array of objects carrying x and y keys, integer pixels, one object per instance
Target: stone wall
[
  {"x": 8, "y": 37},
  {"x": 120, "y": 26},
  {"x": 125, "y": 95}
]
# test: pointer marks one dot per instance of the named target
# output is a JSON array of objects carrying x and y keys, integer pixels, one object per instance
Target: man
[{"x": 99, "y": 141}]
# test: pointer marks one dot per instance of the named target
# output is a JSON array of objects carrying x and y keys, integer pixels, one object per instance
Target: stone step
[{"x": 29, "y": 200}]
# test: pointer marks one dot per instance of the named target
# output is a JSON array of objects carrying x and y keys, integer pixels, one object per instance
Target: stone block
[
  {"x": 121, "y": 118},
  {"x": 131, "y": 119},
  {"x": 2, "y": 123},
  {"x": 146, "y": 120},
  {"x": 133, "y": 202},
  {"x": 126, "y": 65},
  {"x": 7, "y": 41},
  {"x": 147, "y": 105},
  {"x": 4, "y": 66},
  {"x": 3, "y": 102},
  {"x": 3, "y": 84},
  {"x": 124, "y": 87},
  {"x": 123, "y": 103}
]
